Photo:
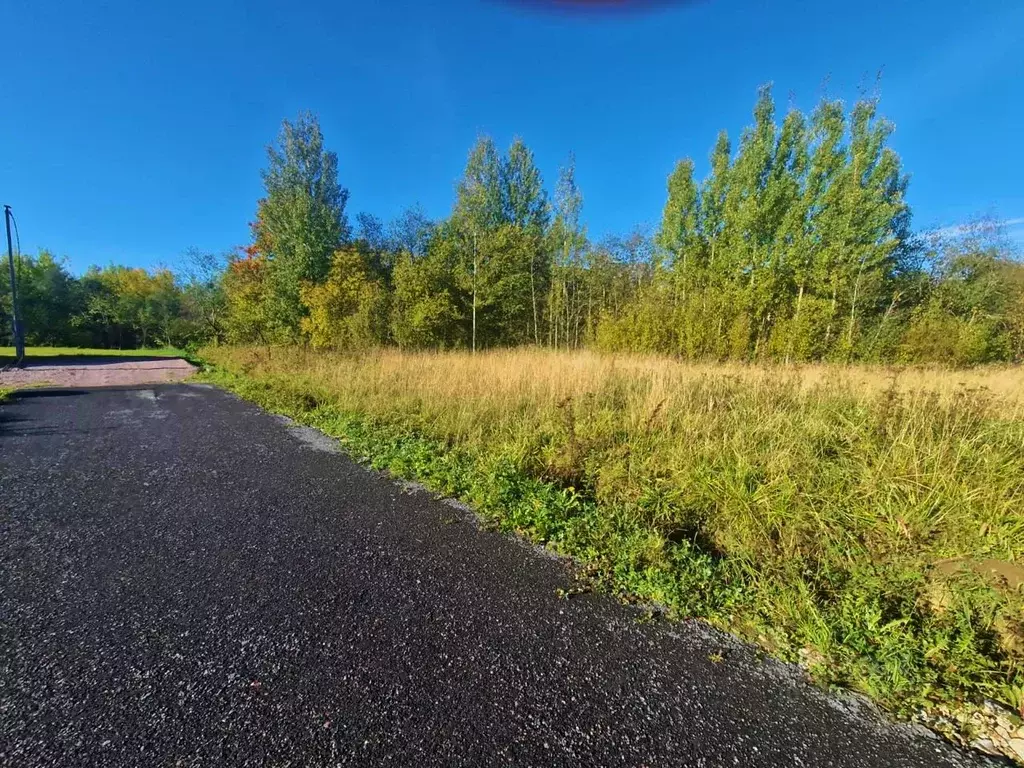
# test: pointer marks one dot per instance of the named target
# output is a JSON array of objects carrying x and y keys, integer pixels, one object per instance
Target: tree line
[
  {"x": 114, "y": 307},
  {"x": 796, "y": 246}
]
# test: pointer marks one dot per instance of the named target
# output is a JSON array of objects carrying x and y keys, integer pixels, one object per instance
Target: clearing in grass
[{"x": 866, "y": 521}]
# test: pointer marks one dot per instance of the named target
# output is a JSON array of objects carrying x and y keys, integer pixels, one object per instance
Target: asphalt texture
[{"x": 189, "y": 581}]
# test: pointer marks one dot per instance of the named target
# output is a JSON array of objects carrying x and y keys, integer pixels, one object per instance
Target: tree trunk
[
  {"x": 475, "y": 258},
  {"x": 590, "y": 309},
  {"x": 765, "y": 322},
  {"x": 831, "y": 314},
  {"x": 853, "y": 311},
  {"x": 684, "y": 276},
  {"x": 796, "y": 322},
  {"x": 533, "y": 296},
  {"x": 552, "y": 311},
  {"x": 567, "y": 330},
  {"x": 556, "y": 317}
]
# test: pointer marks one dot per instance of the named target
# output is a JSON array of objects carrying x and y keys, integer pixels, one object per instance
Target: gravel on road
[{"x": 97, "y": 372}]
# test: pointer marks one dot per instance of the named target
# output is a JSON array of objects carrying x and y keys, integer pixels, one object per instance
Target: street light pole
[{"x": 19, "y": 332}]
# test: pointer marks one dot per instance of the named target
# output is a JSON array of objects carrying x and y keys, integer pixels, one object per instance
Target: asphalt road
[{"x": 187, "y": 580}]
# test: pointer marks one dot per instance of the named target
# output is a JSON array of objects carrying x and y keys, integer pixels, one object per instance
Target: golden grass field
[{"x": 505, "y": 376}]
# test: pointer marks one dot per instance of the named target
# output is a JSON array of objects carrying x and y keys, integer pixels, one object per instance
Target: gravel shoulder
[
  {"x": 190, "y": 581},
  {"x": 97, "y": 372}
]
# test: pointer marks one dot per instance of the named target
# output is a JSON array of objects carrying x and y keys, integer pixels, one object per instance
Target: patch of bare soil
[{"x": 97, "y": 372}]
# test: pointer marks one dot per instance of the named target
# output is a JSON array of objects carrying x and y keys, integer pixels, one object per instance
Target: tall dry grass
[
  {"x": 815, "y": 508},
  {"x": 503, "y": 374}
]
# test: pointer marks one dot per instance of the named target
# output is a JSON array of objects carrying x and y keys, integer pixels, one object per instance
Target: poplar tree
[
  {"x": 300, "y": 221},
  {"x": 745, "y": 218},
  {"x": 478, "y": 211},
  {"x": 713, "y": 195},
  {"x": 678, "y": 236},
  {"x": 567, "y": 241},
  {"x": 813, "y": 252},
  {"x": 525, "y": 206}
]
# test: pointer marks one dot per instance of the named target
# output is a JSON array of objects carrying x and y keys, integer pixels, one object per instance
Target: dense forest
[{"x": 796, "y": 246}]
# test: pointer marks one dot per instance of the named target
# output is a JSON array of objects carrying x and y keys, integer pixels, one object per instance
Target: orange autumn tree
[{"x": 246, "y": 316}]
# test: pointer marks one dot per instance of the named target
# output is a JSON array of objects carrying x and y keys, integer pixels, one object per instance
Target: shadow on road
[
  {"x": 22, "y": 394},
  {"x": 86, "y": 360},
  {"x": 12, "y": 425}
]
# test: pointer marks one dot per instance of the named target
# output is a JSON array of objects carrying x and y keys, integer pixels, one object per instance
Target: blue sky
[{"x": 134, "y": 130}]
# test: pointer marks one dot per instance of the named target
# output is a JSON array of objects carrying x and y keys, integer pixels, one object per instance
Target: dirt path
[{"x": 97, "y": 372}]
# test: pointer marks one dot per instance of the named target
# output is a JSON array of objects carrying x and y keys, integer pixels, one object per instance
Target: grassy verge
[
  {"x": 7, "y": 354},
  {"x": 864, "y": 522}
]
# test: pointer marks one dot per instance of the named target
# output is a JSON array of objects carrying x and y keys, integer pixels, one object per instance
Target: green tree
[
  {"x": 49, "y": 298},
  {"x": 567, "y": 240},
  {"x": 497, "y": 224},
  {"x": 525, "y": 206},
  {"x": 247, "y": 304},
  {"x": 879, "y": 219},
  {"x": 373, "y": 243},
  {"x": 348, "y": 310},
  {"x": 678, "y": 236},
  {"x": 502, "y": 286},
  {"x": 714, "y": 307},
  {"x": 161, "y": 307},
  {"x": 410, "y": 232},
  {"x": 202, "y": 299},
  {"x": 813, "y": 256},
  {"x": 300, "y": 222},
  {"x": 971, "y": 313},
  {"x": 478, "y": 211},
  {"x": 425, "y": 309}
]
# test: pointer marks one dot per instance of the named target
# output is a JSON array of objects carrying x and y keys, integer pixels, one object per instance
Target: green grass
[
  {"x": 36, "y": 353},
  {"x": 844, "y": 517}
]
